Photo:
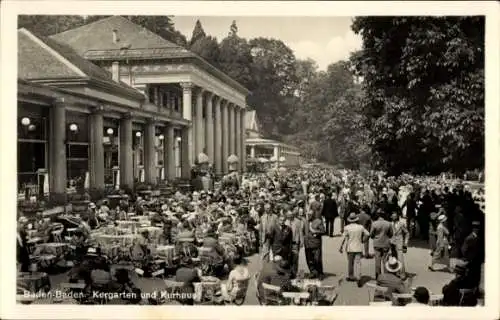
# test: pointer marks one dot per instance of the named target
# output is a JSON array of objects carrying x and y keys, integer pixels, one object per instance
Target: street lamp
[
  {"x": 25, "y": 121},
  {"x": 73, "y": 127},
  {"x": 110, "y": 131},
  {"x": 161, "y": 137},
  {"x": 138, "y": 134},
  {"x": 179, "y": 139}
]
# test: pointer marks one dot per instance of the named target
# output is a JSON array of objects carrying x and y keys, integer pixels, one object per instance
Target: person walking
[
  {"x": 267, "y": 223},
  {"x": 381, "y": 234},
  {"x": 281, "y": 239},
  {"x": 297, "y": 225},
  {"x": 354, "y": 236},
  {"x": 330, "y": 212},
  {"x": 314, "y": 229},
  {"x": 442, "y": 253},
  {"x": 366, "y": 221},
  {"x": 399, "y": 240},
  {"x": 473, "y": 253}
]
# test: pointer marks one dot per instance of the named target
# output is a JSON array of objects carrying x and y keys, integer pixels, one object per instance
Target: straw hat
[
  {"x": 353, "y": 217},
  {"x": 442, "y": 218},
  {"x": 393, "y": 265}
]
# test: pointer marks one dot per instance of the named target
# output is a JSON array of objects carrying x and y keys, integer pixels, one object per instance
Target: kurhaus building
[{"x": 111, "y": 104}]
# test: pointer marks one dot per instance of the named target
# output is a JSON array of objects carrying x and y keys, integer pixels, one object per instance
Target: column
[
  {"x": 252, "y": 151},
  {"x": 186, "y": 152},
  {"x": 200, "y": 139},
  {"x": 225, "y": 136},
  {"x": 149, "y": 152},
  {"x": 237, "y": 120},
  {"x": 232, "y": 130},
  {"x": 243, "y": 147},
  {"x": 126, "y": 161},
  {"x": 187, "y": 136},
  {"x": 96, "y": 166},
  {"x": 237, "y": 135},
  {"x": 218, "y": 157},
  {"x": 209, "y": 128},
  {"x": 58, "y": 169},
  {"x": 168, "y": 152}
]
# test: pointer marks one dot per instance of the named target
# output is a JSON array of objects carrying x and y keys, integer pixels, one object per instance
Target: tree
[
  {"x": 233, "y": 29},
  {"x": 46, "y": 25},
  {"x": 235, "y": 58},
  {"x": 424, "y": 85},
  {"x": 198, "y": 33},
  {"x": 162, "y": 26}
]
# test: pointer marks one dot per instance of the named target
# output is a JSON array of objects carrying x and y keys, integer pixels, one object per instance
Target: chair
[
  {"x": 374, "y": 289},
  {"x": 466, "y": 293},
  {"x": 399, "y": 299},
  {"x": 435, "y": 299},
  {"x": 271, "y": 295},
  {"x": 296, "y": 298}
]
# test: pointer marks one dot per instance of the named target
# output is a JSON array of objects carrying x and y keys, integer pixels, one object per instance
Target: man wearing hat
[
  {"x": 462, "y": 280},
  {"x": 277, "y": 274},
  {"x": 442, "y": 253},
  {"x": 267, "y": 223},
  {"x": 330, "y": 212},
  {"x": 354, "y": 236},
  {"x": 473, "y": 252},
  {"x": 391, "y": 280}
]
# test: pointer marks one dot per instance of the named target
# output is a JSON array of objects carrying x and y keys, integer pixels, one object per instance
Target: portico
[{"x": 176, "y": 83}]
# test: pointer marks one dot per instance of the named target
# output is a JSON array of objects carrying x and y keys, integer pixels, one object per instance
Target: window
[
  {"x": 151, "y": 94},
  {"x": 77, "y": 164},
  {"x": 165, "y": 100},
  {"x": 176, "y": 104}
]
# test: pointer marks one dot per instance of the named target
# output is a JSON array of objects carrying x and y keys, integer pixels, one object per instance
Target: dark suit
[
  {"x": 281, "y": 241},
  {"x": 471, "y": 252},
  {"x": 381, "y": 233},
  {"x": 23, "y": 256},
  {"x": 330, "y": 212},
  {"x": 366, "y": 221},
  {"x": 188, "y": 276}
]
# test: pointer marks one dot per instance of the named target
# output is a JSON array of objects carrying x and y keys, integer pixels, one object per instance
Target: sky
[{"x": 323, "y": 39}]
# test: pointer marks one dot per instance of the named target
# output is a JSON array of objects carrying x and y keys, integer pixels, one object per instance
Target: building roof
[
  {"x": 98, "y": 35},
  {"x": 41, "y": 58},
  {"x": 94, "y": 41}
]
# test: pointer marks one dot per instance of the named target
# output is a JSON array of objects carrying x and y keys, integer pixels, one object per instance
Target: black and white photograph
[{"x": 236, "y": 160}]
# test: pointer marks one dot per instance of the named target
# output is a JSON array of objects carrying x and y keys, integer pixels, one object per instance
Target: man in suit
[
  {"x": 472, "y": 252},
  {"x": 267, "y": 223},
  {"x": 366, "y": 221},
  {"x": 330, "y": 212},
  {"x": 297, "y": 226},
  {"x": 314, "y": 229},
  {"x": 381, "y": 234},
  {"x": 399, "y": 240},
  {"x": 23, "y": 256},
  {"x": 281, "y": 239}
]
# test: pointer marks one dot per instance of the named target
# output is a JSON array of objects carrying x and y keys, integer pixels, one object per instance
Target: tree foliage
[{"x": 424, "y": 85}]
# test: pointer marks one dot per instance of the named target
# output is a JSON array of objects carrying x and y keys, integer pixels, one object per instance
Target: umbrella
[
  {"x": 273, "y": 159},
  {"x": 232, "y": 159},
  {"x": 263, "y": 160},
  {"x": 203, "y": 158},
  {"x": 282, "y": 159}
]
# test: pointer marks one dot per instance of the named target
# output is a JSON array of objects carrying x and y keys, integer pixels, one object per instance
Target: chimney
[
  {"x": 115, "y": 36},
  {"x": 115, "y": 71}
]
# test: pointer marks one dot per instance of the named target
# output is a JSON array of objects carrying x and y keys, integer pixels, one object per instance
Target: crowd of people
[{"x": 280, "y": 212}]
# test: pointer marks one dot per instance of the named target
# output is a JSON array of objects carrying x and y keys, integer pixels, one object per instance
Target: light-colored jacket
[
  {"x": 399, "y": 234},
  {"x": 267, "y": 223}
]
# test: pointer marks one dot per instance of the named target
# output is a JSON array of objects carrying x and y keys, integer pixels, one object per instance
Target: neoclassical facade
[{"x": 121, "y": 105}]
